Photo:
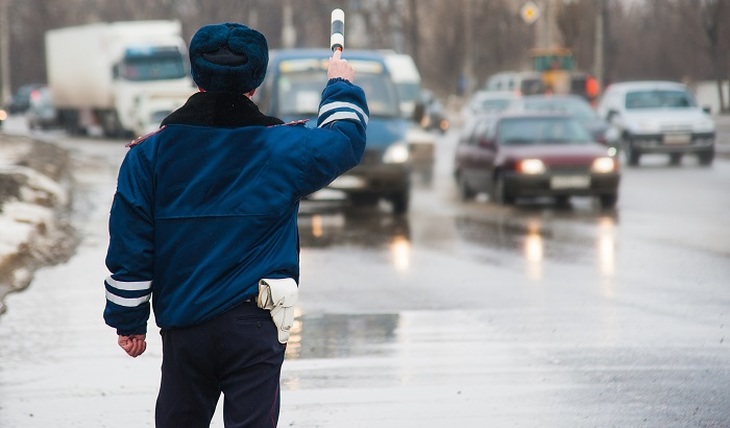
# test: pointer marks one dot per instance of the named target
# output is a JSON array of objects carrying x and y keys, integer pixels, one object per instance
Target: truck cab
[{"x": 292, "y": 91}]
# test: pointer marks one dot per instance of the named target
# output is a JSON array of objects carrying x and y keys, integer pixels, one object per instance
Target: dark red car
[{"x": 533, "y": 155}]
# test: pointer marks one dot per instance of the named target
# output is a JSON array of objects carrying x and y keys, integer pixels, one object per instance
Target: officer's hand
[
  {"x": 339, "y": 67},
  {"x": 133, "y": 345}
]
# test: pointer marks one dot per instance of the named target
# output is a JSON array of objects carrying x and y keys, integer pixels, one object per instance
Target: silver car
[{"x": 659, "y": 117}]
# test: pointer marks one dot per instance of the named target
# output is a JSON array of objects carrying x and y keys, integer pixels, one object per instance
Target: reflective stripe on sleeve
[
  {"x": 340, "y": 115},
  {"x": 126, "y": 301},
  {"x": 129, "y": 286},
  {"x": 344, "y": 105}
]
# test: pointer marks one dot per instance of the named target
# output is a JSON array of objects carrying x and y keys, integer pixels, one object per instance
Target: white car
[{"x": 659, "y": 117}]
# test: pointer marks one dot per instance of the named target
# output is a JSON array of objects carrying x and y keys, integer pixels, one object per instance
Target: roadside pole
[{"x": 4, "y": 54}]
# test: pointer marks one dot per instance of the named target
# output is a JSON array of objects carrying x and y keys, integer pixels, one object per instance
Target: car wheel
[
  {"x": 499, "y": 192},
  {"x": 706, "y": 157},
  {"x": 608, "y": 201},
  {"x": 464, "y": 190},
  {"x": 400, "y": 202},
  {"x": 632, "y": 155},
  {"x": 675, "y": 158}
]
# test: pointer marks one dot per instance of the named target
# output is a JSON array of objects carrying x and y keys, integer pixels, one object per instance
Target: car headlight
[
  {"x": 3, "y": 115},
  {"x": 396, "y": 153},
  {"x": 531, "y": 166},
  {"x": 603, "y": 165}
]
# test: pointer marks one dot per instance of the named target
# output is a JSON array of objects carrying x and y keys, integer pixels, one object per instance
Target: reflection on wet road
[
  {"x": 541, "y": 236},
  {"x": 367, "y": 228}
]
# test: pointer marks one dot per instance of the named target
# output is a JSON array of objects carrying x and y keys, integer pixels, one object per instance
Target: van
[
  {"x": 291, "y": 91},
  {"x": 656, "y": 116}
]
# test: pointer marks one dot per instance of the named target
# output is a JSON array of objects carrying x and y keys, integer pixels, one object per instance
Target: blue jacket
[{"x": 208, "y": 205}]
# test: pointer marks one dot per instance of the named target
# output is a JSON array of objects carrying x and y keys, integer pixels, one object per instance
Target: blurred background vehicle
[
  {"x": 576, "y": 106},
  {"x": 518, "y": 155},
  {"x": 485, "y": 102},
  {"x": 292, "y": 90},
  {"x": 560, "y": 75},
  {"x": 40, "y": 113},
  {"x": 520, "y": 82},
  {"x": 20, "y": 100},
  {"x": 432, "y": 115},
  {"x": 98, "y": 72},
  {"x": 659, "y": 117}
]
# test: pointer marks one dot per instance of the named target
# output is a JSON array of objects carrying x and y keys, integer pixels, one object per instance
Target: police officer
[{"x": 205, "y": 208}]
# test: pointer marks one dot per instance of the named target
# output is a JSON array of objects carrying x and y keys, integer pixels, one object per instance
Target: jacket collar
[{"x": 219, "y": 109}]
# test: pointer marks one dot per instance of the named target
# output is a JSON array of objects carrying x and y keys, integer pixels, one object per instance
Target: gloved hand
[{"x": 279, "y": 297}]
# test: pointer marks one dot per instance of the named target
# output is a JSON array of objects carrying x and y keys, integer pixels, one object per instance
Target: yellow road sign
[{"x": 530, "y": 12}]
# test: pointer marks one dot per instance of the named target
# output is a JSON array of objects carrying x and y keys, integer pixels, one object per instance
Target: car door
[{"x": 480, "y": 152}]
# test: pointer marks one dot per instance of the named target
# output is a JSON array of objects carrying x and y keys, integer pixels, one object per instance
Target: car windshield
[
  {"x": 541, "y": 130},
  {"x": 492, "y": 104},
  {"x": 664, "y": 98},
  {"x": 577, "y": 108},
  {"x": 153, "y": 65},
  {"x": 299, "y": 92}
]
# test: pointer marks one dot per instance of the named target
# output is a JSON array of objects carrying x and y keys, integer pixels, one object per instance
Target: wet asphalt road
[{"x": 458, "y": 314}]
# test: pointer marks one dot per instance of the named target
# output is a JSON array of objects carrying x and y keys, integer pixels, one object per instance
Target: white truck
[{"x": 103, "y": 75}]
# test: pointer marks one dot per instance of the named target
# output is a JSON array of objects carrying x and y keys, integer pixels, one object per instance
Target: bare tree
[
  {"x": 672, "y": 39},
  {"x": 712, "y": 15}
]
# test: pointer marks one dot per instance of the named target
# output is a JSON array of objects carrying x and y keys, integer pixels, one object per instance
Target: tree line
[{"x": 449, "y": 39}]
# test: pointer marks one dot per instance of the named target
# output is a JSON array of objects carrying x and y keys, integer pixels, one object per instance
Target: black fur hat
[{"x": 228, "y": 57}]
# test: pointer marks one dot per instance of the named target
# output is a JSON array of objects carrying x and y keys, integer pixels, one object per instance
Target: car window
[
  {"x": 531, "y": 86},
  {"x": 155, "y": 64},
  {"x": 480, "y": 131},
  {"x": 299, "y": 93},
  {"x": 537, "y": 130},
  {"x": 664, "y": 98}
]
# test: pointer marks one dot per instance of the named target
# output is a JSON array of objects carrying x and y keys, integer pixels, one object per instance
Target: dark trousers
[{"x": 236, "y": 354}]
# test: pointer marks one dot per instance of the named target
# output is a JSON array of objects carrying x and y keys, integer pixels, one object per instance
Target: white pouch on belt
[{"x": 279, "y": 297}]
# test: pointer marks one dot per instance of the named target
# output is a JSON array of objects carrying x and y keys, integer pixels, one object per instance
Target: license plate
[
  {"x": 570, "y": 182},
  {"x": 677, "y": 138}
]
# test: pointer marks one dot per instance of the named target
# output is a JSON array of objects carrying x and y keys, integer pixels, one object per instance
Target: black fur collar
[{"x": 218, "y": 109}]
